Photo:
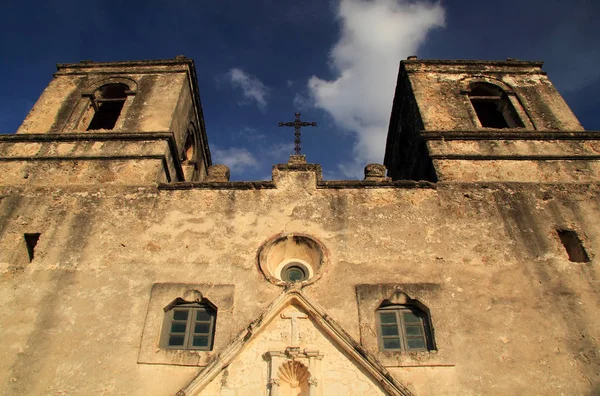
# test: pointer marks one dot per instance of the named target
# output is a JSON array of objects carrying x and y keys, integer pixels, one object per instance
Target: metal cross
[
  {"x": 297, "y": 124},
  {"x": 294, "y": 316}
]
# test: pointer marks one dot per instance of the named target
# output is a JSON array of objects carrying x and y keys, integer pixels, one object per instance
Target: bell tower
[
  {"x": 120, "y": 122},
  {"x": 481, "y": 121}
]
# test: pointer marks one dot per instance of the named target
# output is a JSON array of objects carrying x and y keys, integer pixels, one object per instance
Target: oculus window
[
  {"x": 189, "y": 326},
  {"x": 294, "y": 272},
  {"x": 404, "y": 328}
]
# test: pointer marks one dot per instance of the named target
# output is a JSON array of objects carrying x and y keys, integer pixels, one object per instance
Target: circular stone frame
[{"x": 287, "y": 250}]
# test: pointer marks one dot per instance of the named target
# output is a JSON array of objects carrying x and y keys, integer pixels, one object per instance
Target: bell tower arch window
[
  {"x": 107, "y": 103},
  {"x": 103, "y": 105},
  {"x": 189, "y": 154},
  {"x": 189, "y": 147},
  {"x": 493, "y": 107}
]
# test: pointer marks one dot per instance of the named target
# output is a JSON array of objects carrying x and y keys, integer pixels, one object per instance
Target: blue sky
[{"x": 335, "y": 61}]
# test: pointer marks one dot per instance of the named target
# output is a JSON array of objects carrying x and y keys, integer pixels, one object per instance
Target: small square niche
[{"x": 573, "y": 246}]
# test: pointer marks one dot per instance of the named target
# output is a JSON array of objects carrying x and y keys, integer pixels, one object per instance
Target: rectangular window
[
  {"x": 493, "y": 107},
  {"x": 488, "y": 113},
  {"x": 107, "y": 102},
  {"x": 106, "y": 115},
  {"x": 189, "y": 326},
  {"x": 402, "y": 329}
]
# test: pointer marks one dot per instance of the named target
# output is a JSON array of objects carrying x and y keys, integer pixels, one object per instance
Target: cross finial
[{"x": 297, "y": 124}]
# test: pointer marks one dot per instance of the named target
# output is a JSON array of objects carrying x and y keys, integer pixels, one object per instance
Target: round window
[{"x": 294, "y": 272}]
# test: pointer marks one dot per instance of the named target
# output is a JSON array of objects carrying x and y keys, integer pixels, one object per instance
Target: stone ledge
[
  {"x": 169, "y": 158},
  {"x": 337, "y": 184},
  {"x": 242, "y": 185},
  {"x": 155, "y": 62},
  {"x": 484, "y": 157},
  {"x": 454, "y": 66},
  {"x": 520, "y": 134},
  {"x": 468, "y": 62},
  {"x": 259, "y": 185},
  {"x": 76, "y": 136}
]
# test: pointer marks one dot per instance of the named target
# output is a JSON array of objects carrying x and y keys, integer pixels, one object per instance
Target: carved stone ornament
[
  {"x": 399, "y": 297},
  {"x": 375, "y": 172},
  {"x": 293, "y": 373},
  {"x": 193, "y": 296},
  {"x": 218, "y": 173}
]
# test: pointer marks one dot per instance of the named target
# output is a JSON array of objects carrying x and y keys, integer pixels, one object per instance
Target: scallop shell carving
[{"x": 293, "y": 372}]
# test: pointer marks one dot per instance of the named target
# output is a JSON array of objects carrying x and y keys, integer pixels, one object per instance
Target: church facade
[{"x": 464, "y": 265}]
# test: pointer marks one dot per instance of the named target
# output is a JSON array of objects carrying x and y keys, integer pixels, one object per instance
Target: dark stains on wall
[
  {"x": 80, "y": 225},
  {"x": 231, "y": 204},
  {"x": 9, "y": 205},
  {"x": 520, "y": 223},
  {"x": 42, "y": 340},
  {"x": 136, "y": 110},
  {"x": 534, "y": 231},
  {"x": 336, "y": 215},
  {"x": 406, "y": 155},
  {"x": 68, "y": 105}
]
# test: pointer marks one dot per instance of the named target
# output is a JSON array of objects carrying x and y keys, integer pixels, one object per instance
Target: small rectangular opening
[
  {"x": 31, "y": 240},
  {"x": 573, "y": 246},
  {"x": 489, "y": 114},
  {"x": 106, "y": 115}
]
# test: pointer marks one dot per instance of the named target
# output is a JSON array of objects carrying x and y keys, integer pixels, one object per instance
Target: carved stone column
[
  {"x": 312, "y": 387},
  {"x": 275, "y": 360},
  {"x": 274, "y": 387},
  {"x": 314, "y": 367}
]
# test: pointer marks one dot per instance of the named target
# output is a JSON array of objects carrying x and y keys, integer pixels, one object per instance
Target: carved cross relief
[{"x": 294, "y": 316}]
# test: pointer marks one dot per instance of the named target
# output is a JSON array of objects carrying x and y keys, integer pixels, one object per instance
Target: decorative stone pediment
[{"x": 294, "y": 348}]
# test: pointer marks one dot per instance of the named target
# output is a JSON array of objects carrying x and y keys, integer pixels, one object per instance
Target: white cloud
[
  {"x": 251, "y": 134},
  {"x": 301, "y": 102},
  {"x": 236, "y": 158},
  {"x": 375, "y": 36},
  {"x": 281, "y": 151},
  {"x": 253, "y": 89}
]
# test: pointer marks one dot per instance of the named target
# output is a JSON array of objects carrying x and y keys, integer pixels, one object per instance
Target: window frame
[
  {"x": 489, "y": 93},
  {"x": 97, "y": 100},
  {"x": 191, "y": 320},
  {"x": 398, "y": 311}
]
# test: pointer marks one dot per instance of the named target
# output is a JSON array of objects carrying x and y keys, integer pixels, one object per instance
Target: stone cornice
[
  {"x": 322, "y": 184},
  {"x": 510, "y": 134},
  {"x": 96, "y": 136}
]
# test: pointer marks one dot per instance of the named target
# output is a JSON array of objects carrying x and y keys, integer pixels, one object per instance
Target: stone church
[{"x": 463, "y": 265}]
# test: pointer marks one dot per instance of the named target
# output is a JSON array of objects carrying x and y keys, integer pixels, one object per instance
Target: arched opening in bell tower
[{"x": 107, "y": 102}]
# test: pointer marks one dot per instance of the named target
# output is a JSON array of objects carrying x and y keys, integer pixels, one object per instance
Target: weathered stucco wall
[
  {"x": 438, "y": 88},
  {"x": 151, "y": 107},
  {"x": 435, "y": 133},
  {"x": 510, "y": 312},
  {"x": 161, "y": 97}
]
